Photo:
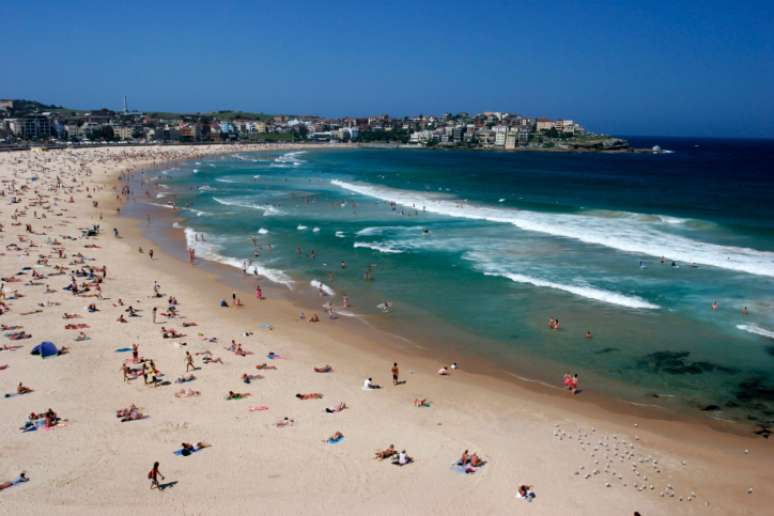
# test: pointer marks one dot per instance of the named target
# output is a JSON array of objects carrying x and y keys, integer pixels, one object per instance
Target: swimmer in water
[{"x": 714, "y": 306}]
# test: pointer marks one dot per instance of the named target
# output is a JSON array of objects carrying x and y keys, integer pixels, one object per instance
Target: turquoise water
[{"x": 497, "y": 243}]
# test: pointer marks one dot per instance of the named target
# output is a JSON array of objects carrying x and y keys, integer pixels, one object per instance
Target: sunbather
[
  {"x": 285, "y": 421},
  {"x": 309, "y": 396},
  {"x": 18, "y": 480},
  {"x": 386, "y": 453},
  {"x": 337, "y": 408}
]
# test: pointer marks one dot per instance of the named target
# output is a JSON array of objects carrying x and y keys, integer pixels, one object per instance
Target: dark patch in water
[
  {"x": 710, "y": 408},
  {"x": 755, "y": 388},
  {"x": 675, "y": 362},
  {"x": 605, "y": 350},
  {"x": 770, "y": 350}
]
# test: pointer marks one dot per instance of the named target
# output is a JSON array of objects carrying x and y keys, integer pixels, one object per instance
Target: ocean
[{"x": 478, "y": 250}]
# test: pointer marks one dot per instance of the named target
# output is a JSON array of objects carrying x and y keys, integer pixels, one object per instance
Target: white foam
[
  {"x": 382, "y": 248},
  {"x": 380, "y": 230},
  {"x": 159, "y": 205},
  {"x": 605, "y": 296},
  {"x": 209, "y": 251},
  {"x": 224, "y": 180},
  {"x": 206, "y": 188},
  {"x": 628, "y": 235},
  {"x": 757, "y": 330},
  {"x": 340, "y": 234},
  {"x": 288, "y": 159},
  {"x": 319, "y": 285},
  {"x": 315, "y": 229},
  {"x": 267, "y": 209},
  {"x": 263, "y": 231},
  {"x": 301, "y": 227}
]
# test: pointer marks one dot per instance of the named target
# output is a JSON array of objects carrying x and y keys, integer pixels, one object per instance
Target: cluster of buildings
[
  {"x": 492, "y": 129},
  {"x": 30, "y": 121}
]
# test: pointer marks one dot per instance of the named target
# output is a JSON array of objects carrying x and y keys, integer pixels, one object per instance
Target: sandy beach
[{"x": 578, "y": 456}]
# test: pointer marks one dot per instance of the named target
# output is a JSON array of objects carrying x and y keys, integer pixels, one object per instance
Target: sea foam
[
  {"x": 757, "y": 330},
  {"x": 267, "y": 209},
  {"x": 627, "y": 235},
  {"x": 211, "y": 251}
]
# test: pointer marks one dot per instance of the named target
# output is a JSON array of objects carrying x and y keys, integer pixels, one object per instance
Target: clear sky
[{"x": 698, "y": 68}]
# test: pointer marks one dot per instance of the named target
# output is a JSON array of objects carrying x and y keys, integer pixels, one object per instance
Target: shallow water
[{"x": 497, "y": 243}]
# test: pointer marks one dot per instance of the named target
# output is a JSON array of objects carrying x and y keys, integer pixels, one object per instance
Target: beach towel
[
  {"x": 123, "y": 350},
  {"x": 335, "y": 441},
  {"x": 180, "y": 453},
  {"x": 467, "y": 469},
  {"x": 258, "y": 408}
]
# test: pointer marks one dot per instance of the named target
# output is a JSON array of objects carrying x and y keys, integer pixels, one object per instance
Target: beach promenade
[{"x": 105, "y": 410}]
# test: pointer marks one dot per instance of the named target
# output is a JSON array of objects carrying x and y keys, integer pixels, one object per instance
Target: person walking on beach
[
  {"x": 155, "y": 311},
  {"x": 189, "y": 364},
  {"x": 150, "y": 253},
  {"x": 395, "y": 373},
  {"x": 154, "y": 475}
]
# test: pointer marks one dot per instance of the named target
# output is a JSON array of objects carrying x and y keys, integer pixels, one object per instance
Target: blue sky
[{"x": 657, "y": 68}]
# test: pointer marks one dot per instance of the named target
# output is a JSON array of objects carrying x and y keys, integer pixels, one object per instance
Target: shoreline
[
  {"x": 513, "y": 426},
  {"x": 435, "y": 350}
]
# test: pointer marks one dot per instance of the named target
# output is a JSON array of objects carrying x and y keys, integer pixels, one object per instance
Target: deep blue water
[{"x": 496, "y": 243}]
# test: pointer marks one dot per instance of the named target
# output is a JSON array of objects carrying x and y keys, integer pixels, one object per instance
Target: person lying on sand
[
  {"x": 285, "y": 421},
  {"x": 188, "y": 448},
  {"x": 309, "y": 396},
  {"x": 18, "y": 480},
  {"x": 186, "y": 378},
  {"x": 207, "y": 359},
  {"x": 337, "y": 408},
  {"x": 424, "y": 403},
  {"x": 444, "y": 371},
  {"x": 132, "y": 413},
  {"x": 186, "y": 393},
  {"x": 18, "y": 335},
  {"x": 336, "y": 437},
  {"x": 170, "y": 333},
  {"x": 247, "y": 378},
  {"x": 386, "y": 453},
  {"x": 237, "y": 395},
  {"x": 265, "y": 366},
  {"x": 71, "y": 316},
  {"x": 325, "y": 369}
]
